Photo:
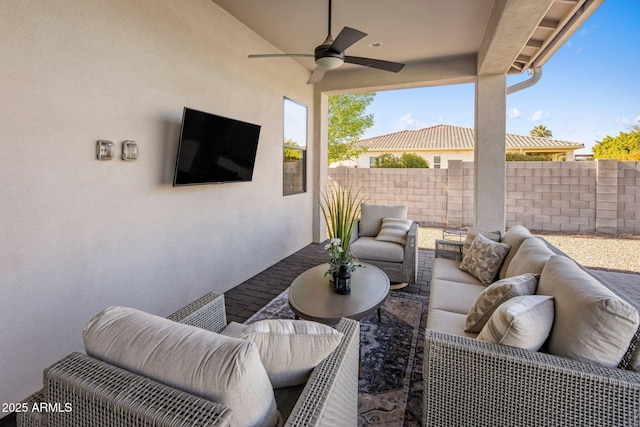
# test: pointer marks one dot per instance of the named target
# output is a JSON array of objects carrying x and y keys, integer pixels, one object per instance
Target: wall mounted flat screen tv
[{"x": 215, "y": 149}]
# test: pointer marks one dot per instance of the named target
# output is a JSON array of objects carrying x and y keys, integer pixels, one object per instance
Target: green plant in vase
[{"x": 341, "y": 209}]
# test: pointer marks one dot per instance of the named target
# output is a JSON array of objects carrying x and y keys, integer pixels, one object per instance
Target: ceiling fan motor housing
[{"x": 327, "y": 58}]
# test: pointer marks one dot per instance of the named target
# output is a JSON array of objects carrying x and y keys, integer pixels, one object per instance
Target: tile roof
[{"x": 447, "y": 137}]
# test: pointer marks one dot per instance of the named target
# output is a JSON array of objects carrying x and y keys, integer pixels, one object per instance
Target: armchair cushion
[
  {"x": 522, "y": 322},
  {"x": 371, "y": 217},
  {"x": 368, "y": 248},
  {"x": 290, "y": 349},
  {"x": 394, "y": 230},
  {"x": 218, "y": 368}
]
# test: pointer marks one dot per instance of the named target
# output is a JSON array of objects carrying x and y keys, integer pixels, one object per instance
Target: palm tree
[{"x": 541, "y": 131}]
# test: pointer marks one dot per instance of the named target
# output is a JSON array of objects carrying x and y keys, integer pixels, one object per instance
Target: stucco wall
[
  {"x": 601, "y": 196},
  {"x": 79, "y": 234}
]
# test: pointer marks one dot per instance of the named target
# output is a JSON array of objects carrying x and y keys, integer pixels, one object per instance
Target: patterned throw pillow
[
  {"x": 472, "y": 232},
  {"x": 484, "y": 258},
  {"x": 495, "y": 294},
  {"x": 394, "y": 230},
  {"x": 523, "y": 322}
]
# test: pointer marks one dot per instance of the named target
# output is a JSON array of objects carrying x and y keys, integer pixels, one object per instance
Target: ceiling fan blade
[
  {"x": 280, "y": 55},
  {"x": 347, "y": 37},
  {"x": 316, "y": 76},
  {"x": 394, "y": 67}
]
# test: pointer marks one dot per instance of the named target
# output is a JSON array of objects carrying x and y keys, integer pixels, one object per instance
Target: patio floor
[{"x": 250, "y": 296}]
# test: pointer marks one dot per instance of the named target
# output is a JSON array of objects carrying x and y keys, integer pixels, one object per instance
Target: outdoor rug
[{"x": 390, "y": 390}]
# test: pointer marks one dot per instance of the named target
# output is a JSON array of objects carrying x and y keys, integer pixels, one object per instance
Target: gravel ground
[{"x": 618, "y": 252}]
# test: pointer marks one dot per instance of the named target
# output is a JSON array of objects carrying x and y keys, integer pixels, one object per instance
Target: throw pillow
[
  {"x": 522, "y": 322},
  {"x": 484, "y": 258},
  {"x": 394, "y": 230},
  {"x": 290, "y": 349},
  {"x": 494, "y": 295},
  {"x": 218, "y": 368},
  {"x": 471, "y": 236},
  {"x": 371, "y": 217}
]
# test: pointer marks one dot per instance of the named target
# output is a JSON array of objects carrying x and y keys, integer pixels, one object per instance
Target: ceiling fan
[{"x": 330, "y": 54}]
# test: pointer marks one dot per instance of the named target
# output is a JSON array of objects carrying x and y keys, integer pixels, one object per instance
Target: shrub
[{"x": 407, "y": 160}]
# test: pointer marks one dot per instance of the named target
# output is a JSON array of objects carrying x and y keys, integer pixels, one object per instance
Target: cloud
[
  {"x": 638, "y": 119},
  {"x": 538, "y": 115},
  {"x": 514, "y": 113},
  {"x": 624, "y": 120},
  {"x": 408, "y": 122}
]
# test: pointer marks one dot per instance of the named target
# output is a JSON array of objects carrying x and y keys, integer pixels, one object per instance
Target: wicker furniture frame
[
  {"x": 400, "y": 272},
  {"x": 100, "y": 394},
  {"x": 470, "y": 382}
]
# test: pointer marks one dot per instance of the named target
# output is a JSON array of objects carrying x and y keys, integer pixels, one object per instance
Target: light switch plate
[
  {"x": 129, "y": 150},
  {"x": 104, "y": 150}
]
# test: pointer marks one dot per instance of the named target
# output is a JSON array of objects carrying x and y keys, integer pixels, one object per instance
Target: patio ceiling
[{"x": 503, "y": 36}]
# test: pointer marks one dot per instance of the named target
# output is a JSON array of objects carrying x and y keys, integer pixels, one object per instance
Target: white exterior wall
[{"x": 79, "y": 234}]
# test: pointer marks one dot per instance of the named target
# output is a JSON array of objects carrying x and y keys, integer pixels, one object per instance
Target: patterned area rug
[{"x": 390, "y": 390}]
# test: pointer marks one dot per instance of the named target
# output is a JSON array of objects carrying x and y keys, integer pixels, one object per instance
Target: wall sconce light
[
  {"x": 129, "y": 150},
  {"x": 104, "y": 150}
]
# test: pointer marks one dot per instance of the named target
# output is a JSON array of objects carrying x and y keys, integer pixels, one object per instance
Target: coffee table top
[{"x": 312, "y": 297}]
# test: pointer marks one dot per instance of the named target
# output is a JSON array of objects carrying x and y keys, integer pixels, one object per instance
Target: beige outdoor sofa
[
  {"x": 92, "y": 392},
  {"x": 384, "y": 237},
  {"x": 585, "y": 371}
]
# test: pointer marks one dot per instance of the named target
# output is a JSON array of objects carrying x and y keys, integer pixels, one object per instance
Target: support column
[
  {"x": 489, "y": 153},
  {"x": 320, "y": 158}
]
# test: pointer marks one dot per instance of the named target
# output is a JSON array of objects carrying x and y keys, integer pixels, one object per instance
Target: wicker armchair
[
  {"x": 90, "y": 392},
  {"x": 405, "y": 271}
]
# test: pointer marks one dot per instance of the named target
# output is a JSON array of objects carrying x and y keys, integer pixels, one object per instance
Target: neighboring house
[{"x": 441, "y": 143}]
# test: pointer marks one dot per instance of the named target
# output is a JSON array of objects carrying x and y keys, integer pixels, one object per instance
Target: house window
[
  {"x": 295, "y": 148},
  {"x": 436, "y": 162},
  {"x": 372, "y": 162}
]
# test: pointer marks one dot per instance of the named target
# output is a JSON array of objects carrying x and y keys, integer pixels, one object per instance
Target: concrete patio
[{"x": 253, "y": 294}]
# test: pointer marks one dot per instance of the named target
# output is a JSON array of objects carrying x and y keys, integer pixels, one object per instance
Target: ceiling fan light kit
[{"x": 330, "y": 54}]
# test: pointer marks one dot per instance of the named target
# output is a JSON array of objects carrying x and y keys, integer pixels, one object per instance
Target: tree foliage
[
  {"x": 407, "y": 160},
  {"x": 625, "y": 146},
  {"x": 541, "y": 131},
  {"x": 347, "y": 123},
  {"x": 292, "y": 153}
]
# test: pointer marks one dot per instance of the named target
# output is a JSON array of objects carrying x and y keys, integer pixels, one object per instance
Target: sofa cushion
[
  {"x": 371, "y": 217},
  {"x": 370, "y": 248},
  {"x": 484, "y": 258},
  {"x": 448, "y": 269},
  {"x": 446, "y": 321},
  {"x": 472, "y": 232},
  {"x": 514, "y": 238},
  {"x": 496, "y": 294},
  {"x": 522, "y": 322},
  {"x": 218, "y": 368},
  {"x": 531, "y": 257},
  {"x": 394, "y": 230},
  {"x": 456, "y": 297},
  {"x": 290, "y": 349},
  {"x": 591, "y": 322}
]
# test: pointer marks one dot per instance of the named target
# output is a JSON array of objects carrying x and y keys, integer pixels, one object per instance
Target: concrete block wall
[{"x": 602, "y": 196}]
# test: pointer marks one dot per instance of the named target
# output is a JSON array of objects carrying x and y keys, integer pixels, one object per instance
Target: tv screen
[{"x": 214, "y": 149}]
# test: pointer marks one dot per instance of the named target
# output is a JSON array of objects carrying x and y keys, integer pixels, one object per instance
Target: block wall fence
[{"x": 601, "y": 196}]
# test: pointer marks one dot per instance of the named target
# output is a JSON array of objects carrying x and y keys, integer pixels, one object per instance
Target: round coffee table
[{"x": 312, "y": 297}]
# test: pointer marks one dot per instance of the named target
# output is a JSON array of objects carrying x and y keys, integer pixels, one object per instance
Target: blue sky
[{"x": 589, "y": 88}]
